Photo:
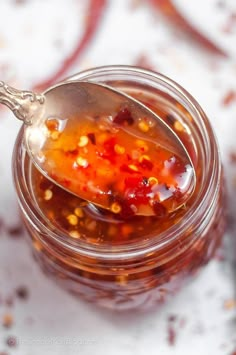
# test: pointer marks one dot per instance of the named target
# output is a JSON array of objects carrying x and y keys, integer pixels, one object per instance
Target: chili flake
[{"x": 22, "y": 292}]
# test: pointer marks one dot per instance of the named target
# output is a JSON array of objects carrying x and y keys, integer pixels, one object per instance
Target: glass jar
[{"x": 144, "y": 271}]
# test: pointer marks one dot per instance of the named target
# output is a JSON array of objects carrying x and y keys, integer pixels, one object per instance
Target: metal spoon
[{"x": 69, "y": 99}]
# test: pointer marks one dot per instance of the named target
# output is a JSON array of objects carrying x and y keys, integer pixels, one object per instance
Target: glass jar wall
[{"x": 138, "y": 262}]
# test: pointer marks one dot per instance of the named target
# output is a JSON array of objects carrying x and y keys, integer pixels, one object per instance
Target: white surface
[{"x": 51, "y": 321}]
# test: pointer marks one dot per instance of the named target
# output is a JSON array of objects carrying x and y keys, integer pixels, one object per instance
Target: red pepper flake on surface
[
  {"x": 22, "y": 292},
  {"x": 229, "y": 98},
  {"x": 11, "y": 341},
  {"x": 15, "y": 231},
  {"x": 171, "y": 335},
  {"x": 7, "y": 320},
  {"x": 172, "y": 318}
]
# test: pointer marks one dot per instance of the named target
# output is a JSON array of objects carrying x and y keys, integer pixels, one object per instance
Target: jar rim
[{"x": 205, "y": 201}]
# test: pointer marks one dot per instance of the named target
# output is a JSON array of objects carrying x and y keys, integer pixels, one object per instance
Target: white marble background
[{"x": 35, "y": 36}]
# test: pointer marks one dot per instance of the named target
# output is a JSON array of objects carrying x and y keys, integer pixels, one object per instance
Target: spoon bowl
[{"x": 66, "y": 103}]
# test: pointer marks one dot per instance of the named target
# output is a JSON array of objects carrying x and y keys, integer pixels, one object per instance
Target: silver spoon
[{"x": 69, "y": 99}]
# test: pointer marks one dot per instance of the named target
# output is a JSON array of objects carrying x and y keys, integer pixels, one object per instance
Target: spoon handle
[{"x": 19, "y": 102}]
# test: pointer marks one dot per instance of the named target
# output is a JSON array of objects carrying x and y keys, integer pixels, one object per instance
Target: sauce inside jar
[{"x": 141, "y": 261}]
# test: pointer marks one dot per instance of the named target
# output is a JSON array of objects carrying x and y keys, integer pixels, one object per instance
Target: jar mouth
[{"x": 203, "y": 205}]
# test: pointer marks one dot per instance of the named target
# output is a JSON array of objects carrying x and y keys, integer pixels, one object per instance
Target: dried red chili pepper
[
  {"x": 95, "y": 12},
  {"x": 168, "y": 9}
]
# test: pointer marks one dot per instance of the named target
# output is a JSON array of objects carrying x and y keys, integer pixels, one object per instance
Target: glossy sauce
[{"x": 117, "y": 163}]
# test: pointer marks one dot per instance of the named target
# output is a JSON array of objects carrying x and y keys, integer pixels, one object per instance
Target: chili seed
[
  {"x": 82, "y": 162},
  {"x": 142, "y": 145},
  {"x": 48, "y": 194},
  {"x": 79, "y": 212},
  {"x": 133, "y": 167},
  {"x": 119, "y": 149},
  {"x": 72, "y": 219},
  {"x": 143, "y": 157},
  {"x": 115, "y": 207},
  {"x": 55, "y": 135},
  {"x": 83, "y": 141},
  {"x": 143, "y": 126},
  {"x": 178, "y": 126},
  {"x": 152, "y": 180},
  {"x": 74, "y": 234}
]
